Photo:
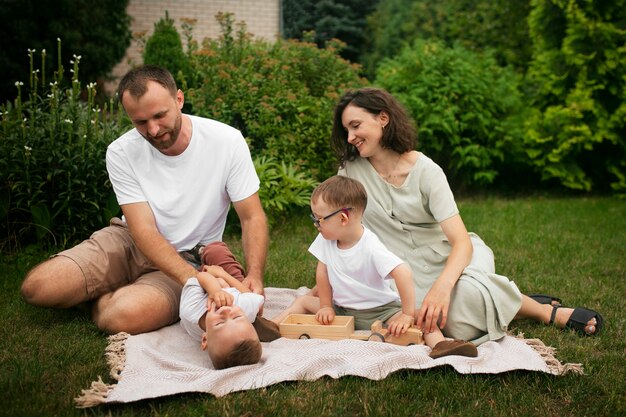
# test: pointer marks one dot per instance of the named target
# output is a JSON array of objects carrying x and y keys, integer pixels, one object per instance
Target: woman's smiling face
[{"x": 365, "y": 130}]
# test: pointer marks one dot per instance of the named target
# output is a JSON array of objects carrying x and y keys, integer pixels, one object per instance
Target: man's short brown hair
[
  {"x": 136, "y": 81},
  {"x": 339, "y": 191}
]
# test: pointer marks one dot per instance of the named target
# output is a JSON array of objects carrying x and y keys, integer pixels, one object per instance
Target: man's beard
[{"x": 173, "y": 133}]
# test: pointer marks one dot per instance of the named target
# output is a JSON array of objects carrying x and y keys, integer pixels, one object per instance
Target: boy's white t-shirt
[
  {"x": 193, "y": 304},
  {"x": 190, "y": 193},
  {"x": 359, "y": 276}
]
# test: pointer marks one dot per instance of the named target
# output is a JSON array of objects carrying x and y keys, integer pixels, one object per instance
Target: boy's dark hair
[
  {"x": 246, "y": 352},
  {"x": 399, "y": 135},
  {"x": 339, "y": 191},
  {"x": 136, "y": 80}
]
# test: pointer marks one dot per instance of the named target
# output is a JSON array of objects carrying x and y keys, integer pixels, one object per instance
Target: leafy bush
[
  {"x": 465, "y": 105},
  {"x": 478, "y": 25},
  {"x": 280, "y": 95},
  {"x": 54, "y": 186},
  {"x": 577, "y": 88}
]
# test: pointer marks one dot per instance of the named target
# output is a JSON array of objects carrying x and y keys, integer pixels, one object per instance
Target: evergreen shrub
[{"x": 165, "y": 48}]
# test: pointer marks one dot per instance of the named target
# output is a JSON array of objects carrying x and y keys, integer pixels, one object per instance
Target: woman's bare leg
[{"x": 531, "y": 309}]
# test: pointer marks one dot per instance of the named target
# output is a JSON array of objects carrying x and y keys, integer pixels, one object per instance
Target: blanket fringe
[
  {"x": 547, "y": 354},
  {"x": 115, "y": 354},
  {"x": 96, "y": 394}
]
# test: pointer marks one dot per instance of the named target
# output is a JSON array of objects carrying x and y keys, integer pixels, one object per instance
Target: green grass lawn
[{"x": 573, "y": 248}]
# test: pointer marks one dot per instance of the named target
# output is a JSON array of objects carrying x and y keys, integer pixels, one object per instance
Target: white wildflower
[
  {"x": 19, "y": 83},
  {"x": 68, "y": 121},
  {"x": 28, "y": 148}
]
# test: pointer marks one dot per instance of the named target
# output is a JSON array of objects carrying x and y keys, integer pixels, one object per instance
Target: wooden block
[{"x": 305, "y": 326}]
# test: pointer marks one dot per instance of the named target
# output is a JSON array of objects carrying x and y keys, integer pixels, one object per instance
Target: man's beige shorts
[{"x": 110, "y": 259}]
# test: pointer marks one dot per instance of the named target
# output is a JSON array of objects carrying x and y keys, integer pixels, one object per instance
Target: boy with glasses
[{"x": 354, "y": 270}]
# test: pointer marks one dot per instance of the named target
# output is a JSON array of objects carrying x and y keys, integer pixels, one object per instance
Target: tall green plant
[
  {"x": 466, "y": 107},
  {"x": 577, "y": 86},
  {"x": 54, "y": 187}
]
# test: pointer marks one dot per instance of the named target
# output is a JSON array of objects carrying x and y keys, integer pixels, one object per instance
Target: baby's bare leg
[{"x": 305, "y": 304}]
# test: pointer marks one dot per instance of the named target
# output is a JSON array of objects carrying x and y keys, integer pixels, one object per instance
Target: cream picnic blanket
[{"x": 168, "y": 361}]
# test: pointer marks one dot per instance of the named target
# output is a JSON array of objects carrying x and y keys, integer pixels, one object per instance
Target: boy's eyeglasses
[{"x": 317, "y": 222}]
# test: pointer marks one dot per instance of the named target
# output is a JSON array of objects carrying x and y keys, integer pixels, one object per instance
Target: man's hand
[{"x": 255, "y": 284}]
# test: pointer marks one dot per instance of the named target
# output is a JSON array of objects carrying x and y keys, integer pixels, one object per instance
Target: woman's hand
[
  {"x": 400, "y": 324},
  {"x": 435, "y": 305},
  {"x": 325, "y": 315}
]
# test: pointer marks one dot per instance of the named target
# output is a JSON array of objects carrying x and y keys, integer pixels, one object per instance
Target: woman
[{"x": 412, "y": 210}]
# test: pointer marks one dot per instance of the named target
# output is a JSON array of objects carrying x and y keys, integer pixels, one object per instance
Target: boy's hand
[
  {"x": 400, "y": 324},
  {"x": 325, "y": 315},
  {"x": 221, "y": 298}
]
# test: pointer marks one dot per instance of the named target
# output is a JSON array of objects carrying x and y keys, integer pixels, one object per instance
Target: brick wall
[{"x": 262, "y": 19}]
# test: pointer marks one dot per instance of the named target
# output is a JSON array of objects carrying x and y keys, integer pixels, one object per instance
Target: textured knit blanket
[{"x": 168, "y": 361}]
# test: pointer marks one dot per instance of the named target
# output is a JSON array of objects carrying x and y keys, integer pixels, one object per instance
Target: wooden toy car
[
  {"x": 305, "y": 326},
  {"x": 412, "y": 336}
]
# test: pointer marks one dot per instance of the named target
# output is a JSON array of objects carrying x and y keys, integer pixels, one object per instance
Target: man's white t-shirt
[
  {"x": 359, "y": 276},
  {"x": 190, "y": 193},
  {"x": 193, "y": 304}
]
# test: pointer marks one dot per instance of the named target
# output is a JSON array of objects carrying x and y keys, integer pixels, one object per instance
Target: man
[{"x": 174, "y": 176}]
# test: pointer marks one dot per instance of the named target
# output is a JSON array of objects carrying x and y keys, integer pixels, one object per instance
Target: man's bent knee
[
  {"x": 113, "y": 313},
  {"x": 57, "y": 282}
]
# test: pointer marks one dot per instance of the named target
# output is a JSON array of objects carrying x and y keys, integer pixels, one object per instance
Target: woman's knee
[{"x": 467, "y": 319}]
